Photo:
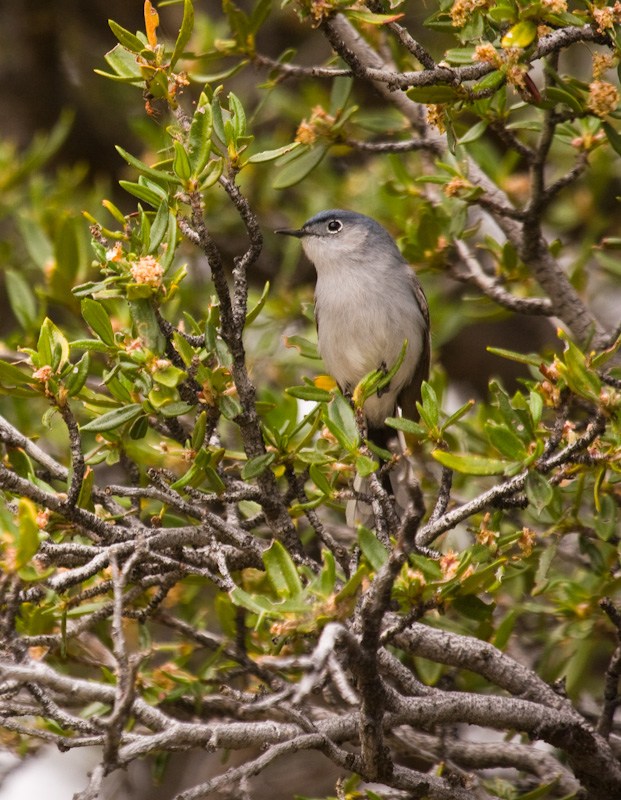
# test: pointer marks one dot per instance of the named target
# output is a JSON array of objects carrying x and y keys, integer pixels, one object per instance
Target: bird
[{"x": 368, "y": 301}]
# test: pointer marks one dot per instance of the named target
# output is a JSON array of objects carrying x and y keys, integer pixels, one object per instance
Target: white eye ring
[{"x": 334, "y": 226}]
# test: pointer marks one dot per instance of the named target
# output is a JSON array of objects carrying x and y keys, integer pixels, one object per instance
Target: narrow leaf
[
  {"x": 185, "y": 32},
  {"x": 113, "y": 419}
]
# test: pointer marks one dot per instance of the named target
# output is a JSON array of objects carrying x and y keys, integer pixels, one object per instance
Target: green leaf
[
  {"x": 127, "y": 39},
  {"x": 339, "y": 419},
  {"x": 185, "y": 32},
  {"x": 238, "y": 117},
  {"x": 373, "y": 550},
  {"x": 281, "y": 571},
  {"x": 562, "y": 96},
  {"x": 199, "y": 137},
  {"x": 142, "y": 192},
  {"x": 532, "y": 360},
  {"x": 461, "y": 412},
  {"x": 198, "y": 434},
  {"x": 365, "y": 466},
  {"x": 124, "y": 65},
  {"x": 254, "y": 312},
  {"x": 145, "y": 321},
  {"x": 520, "y": 35},
  {"x": 430, "y": 403},
  {"x": 613, "y": 137},
  {"x": 271, "y": 155},
  {"x": 320, "y": 480},
  {"x": 299, "y": 168},
  {"x": 28, "y": 532},
  {"x": 10, "y": 375},
  {"x": 475, "y": 132},
  {"x": 505, "y": 441},
  {"x": 306, "y": 348},
  {"x": 157, "y": 174},
  {"x": 98, "y": 320},
  {"x": 311, "y": 393},
  {"x": 371, "y": 19},
  {"x": 375, "y": 381},
  {"x": 22, "y": 300},
  {"x": 89, "y": 344},
  {"x": 256, "y": 466},
  {"x": 159, "y": 228},
  {"x": 538, "y": 491},
  {"x": 169, "y": 376},
  {"x": 213, "y": 481},
  {"x": 196, "y": 473},
  {"x": 113, "y": 419},
  {"x": 504, "y": 630},
  {"x": 535, "y": 405},
  {"x": 211, "y": 173},
  {"x": 432, "y": 95},
  {"x": 50, "y": 340},
  {"x": 74, "y": 382},
  {"x": 181, "y": 162},
  {"x": 470, "y": 465},
  {"x": 491, "y": 81},
  {"x": 407, "y": 426},
  {"x": 581, "y": 380},
  {"x": 544, "y": 791}
]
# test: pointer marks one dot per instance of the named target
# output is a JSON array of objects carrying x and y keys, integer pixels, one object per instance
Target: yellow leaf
[
  {"x": 151, "y": 21},
  {"x": 325, "y": 382}
]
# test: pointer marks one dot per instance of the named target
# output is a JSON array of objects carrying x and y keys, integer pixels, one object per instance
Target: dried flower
[
  {"x": 604, "y": 18},
  {"x": 601, "y": 63},
  {"x": 463, "y": 9},
  {"x": 115, "y": 253},
  {"x": 487, "y": 54},
  {"x": 486, "y": 536},
  {"x": 455, "y": 186},
  {"x": 319, "y": 123},
  {"x": 525, "y": 542},
  {"x": 449, "y": 564},
  {"x": 516, "y": 72},
  {"x": 43, "y": 374},
  {"x": 43, "y": 516},
  {"x": 557, "y": 6},
  {"x": 147, "y": 270},
  {"x": 435, "y": 116},
  {"x": 603, "y": 98},
  {"x": 306, "y": 133}
]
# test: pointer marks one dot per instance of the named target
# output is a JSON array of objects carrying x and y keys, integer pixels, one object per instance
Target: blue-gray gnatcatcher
[{"x": 368, "y": 301}]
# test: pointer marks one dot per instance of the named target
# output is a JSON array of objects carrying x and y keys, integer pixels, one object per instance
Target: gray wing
[{"x": 411, "y": 392}]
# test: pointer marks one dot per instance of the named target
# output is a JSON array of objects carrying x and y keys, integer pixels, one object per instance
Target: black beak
[{"x": 290, "y": 232}]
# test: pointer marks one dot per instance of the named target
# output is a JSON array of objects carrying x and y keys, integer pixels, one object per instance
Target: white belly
[{"x": 357, "y": 336}]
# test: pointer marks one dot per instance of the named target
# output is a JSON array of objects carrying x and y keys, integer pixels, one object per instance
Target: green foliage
[{"x": 163, "y": 440}]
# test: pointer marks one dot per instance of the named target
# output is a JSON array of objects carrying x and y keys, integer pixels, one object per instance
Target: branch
[
  {"x": 507, "y": 489},
  {"x": 491, "y": 287}
]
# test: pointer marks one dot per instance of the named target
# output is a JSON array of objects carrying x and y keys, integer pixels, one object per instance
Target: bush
[{"x": 177, "y": 574}]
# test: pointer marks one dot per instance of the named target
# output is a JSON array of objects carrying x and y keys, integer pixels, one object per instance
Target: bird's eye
[{"x": 335, "y": 225}]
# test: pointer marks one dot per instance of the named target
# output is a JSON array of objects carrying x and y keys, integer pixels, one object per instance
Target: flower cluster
[
  {"x": 603, "y": 98},
  {"x": 147, "y": 270},
  {"x": 601, "y": 63},
  {"x": 455, "y": 186},
  {"x": 487, "y": 54},
  {"x": 435, "y": 116},
  {"x": 604, "y": 18},
  {"x": 319, "y": 123},
  {"x": 557, "y": 6},
  {"x": 462, "y": 10}
]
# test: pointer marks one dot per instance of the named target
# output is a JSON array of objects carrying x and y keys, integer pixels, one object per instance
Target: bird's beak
[{"x": 290, "y": 232}]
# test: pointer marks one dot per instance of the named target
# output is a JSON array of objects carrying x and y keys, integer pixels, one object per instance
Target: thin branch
[{"x": 489, "y": 286}]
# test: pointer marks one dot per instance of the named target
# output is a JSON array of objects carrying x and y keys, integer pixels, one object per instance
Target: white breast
[{"x": 364, "y": 316}]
